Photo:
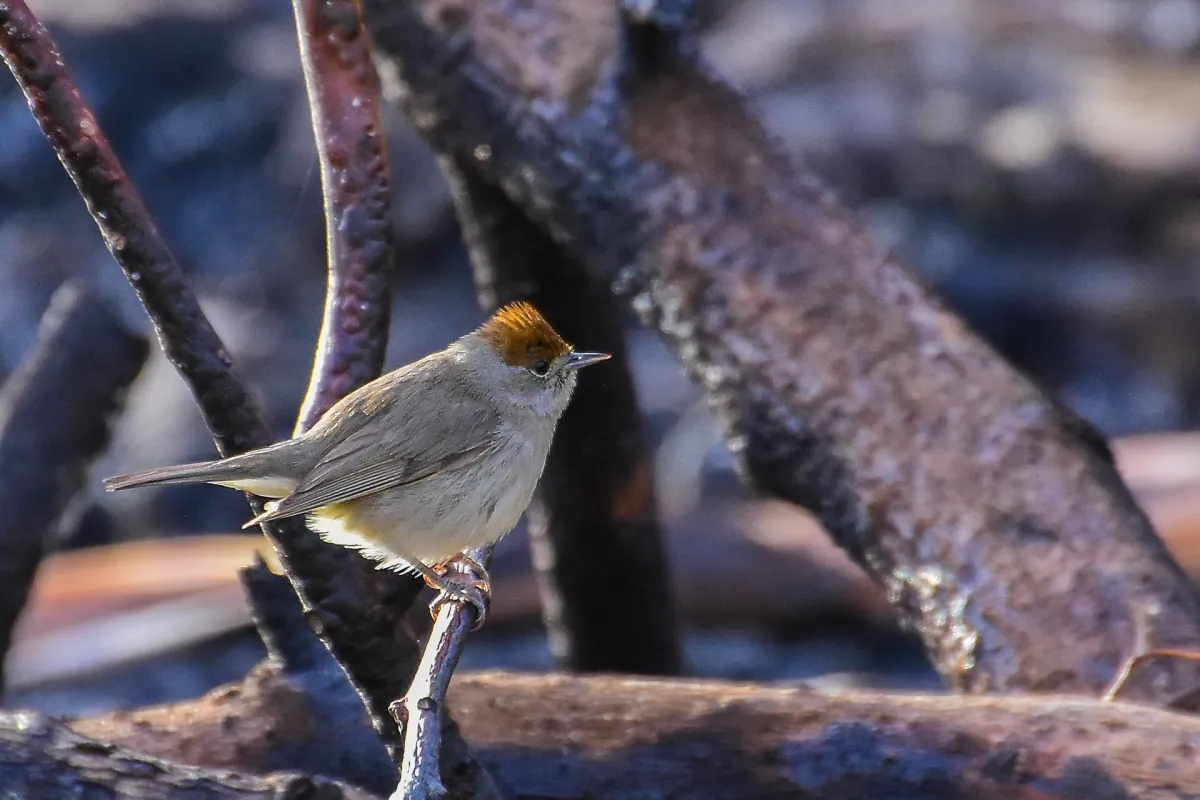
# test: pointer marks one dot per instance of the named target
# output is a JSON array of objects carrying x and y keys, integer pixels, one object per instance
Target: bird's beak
[{"x": 577, "y": 360}]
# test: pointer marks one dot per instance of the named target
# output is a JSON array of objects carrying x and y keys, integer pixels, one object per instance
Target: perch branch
[
  {"x": 54, "y": 421},
  {"x": 433, "y": 748},
  {"x": 598, "y": 550},
  {"x": 43, "y": 758},
  {"x": 356, "y": 183},
  {"x": 421, "y": 711},
  {"x": 294, "y": 710},
  {"x": 995, "y": 522},
  {"x": 355, "y": 609}
]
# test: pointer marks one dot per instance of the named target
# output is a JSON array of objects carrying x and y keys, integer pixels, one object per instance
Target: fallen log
[
  {"x": 42, "y": 758},
  {"x": 576, "y": 737}
]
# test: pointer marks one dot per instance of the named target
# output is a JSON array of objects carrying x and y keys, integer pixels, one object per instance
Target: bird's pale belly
[{"x": 434, "y": 519}]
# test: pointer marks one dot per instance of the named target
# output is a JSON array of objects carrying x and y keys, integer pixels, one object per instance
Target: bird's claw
[{"x": 462, "y": 580}]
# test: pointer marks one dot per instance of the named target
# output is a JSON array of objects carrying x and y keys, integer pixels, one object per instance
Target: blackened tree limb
[
  {"x": 356, "y": 183},
  {"x": 597, "y": 547},
  {"x": 43, "y": 758},
  {"x": 295, "y": 710},
  {"x": 55, "y": 412},
  {"x": 308, "y": 690},
  {"x": 356, "y": 610},
  {"x": 1005, "y": 539},
  {"x": 608, "y": 736}
]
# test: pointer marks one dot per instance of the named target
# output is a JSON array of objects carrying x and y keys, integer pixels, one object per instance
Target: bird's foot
[{"x": 461, "y": 579}]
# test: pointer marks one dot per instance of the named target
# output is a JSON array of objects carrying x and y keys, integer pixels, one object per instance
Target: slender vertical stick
[{"x": 356, "y": 187}]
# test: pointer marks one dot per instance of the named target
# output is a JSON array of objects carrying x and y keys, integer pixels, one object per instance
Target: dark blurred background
[{"x": 1035, "y": 161}]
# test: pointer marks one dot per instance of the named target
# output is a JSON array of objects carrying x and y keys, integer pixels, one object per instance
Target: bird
[{"x": 436, "y": 457}]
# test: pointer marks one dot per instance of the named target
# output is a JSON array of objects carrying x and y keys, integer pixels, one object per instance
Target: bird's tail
[{"x": 251, "y": 472}]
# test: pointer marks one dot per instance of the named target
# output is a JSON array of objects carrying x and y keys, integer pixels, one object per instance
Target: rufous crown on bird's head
[{"x": 522, "y": 336}]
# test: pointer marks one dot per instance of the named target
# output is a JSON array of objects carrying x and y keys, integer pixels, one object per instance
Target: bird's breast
[{"x": 435, "y": 518}]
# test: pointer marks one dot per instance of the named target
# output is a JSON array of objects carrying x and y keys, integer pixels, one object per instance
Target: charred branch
[
  {"x": 598, "y": 550},
  {"x": 610, "y": 736},
  {"x": 356, "y": 182},
  {"x": 184, "y": 333},
  {"x": 44, "y": 758},
  {"x": 295, "y": 710},
  {"x": 55, "y": 412},
  {"x": 577, "y": 737},
  {"x": 843, "y": 386}
]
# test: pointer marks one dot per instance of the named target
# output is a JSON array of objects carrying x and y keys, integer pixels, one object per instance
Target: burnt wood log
[{"x": 580, "y": 737}]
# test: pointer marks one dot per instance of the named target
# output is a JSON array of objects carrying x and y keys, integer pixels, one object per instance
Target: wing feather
[{"x": 406, "y": 451}]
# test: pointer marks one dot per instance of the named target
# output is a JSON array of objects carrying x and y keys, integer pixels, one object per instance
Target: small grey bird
[{"x": 431, "y": 459}]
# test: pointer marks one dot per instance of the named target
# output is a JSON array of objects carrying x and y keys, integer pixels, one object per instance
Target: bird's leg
[{"x": 463, "y": 579}]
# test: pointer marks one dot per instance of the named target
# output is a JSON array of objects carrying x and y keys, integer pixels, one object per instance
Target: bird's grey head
[{"x": 525, "y": 359}]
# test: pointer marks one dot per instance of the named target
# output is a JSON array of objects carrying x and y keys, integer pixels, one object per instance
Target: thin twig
[
  {"x": 55, "y": 412},
  {"x": 355, "y": 179},
  {"x": 420, "y": 712},
  {"x": 599, "y": 554},
  {"x": 355, "y": 609}
]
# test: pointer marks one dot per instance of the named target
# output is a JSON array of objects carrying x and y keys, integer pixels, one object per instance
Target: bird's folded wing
[{"x": 370, "y": 461}]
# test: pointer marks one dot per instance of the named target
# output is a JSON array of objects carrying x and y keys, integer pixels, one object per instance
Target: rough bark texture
[
  {"x": 40, "y": 758},
  {"x": 993, "y": 520},
  {"x": 271, "y": 720},
  {"x": 55, "y": 412},
  {"x": 589, "y": 737},
  {"x": 586, "y": 737},
  {"x": 597, "y": 548},
  {"x": 356, "y": 183}
]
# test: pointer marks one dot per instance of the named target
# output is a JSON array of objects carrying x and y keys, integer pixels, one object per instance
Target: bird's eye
[{"x": 541, "y": 367}]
